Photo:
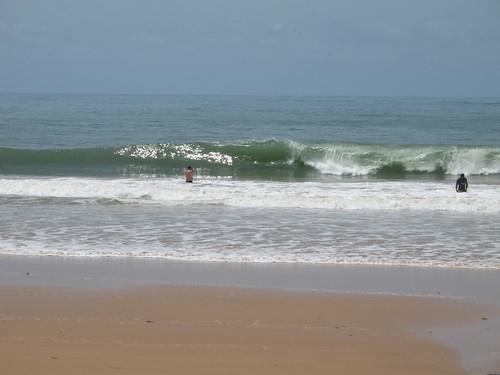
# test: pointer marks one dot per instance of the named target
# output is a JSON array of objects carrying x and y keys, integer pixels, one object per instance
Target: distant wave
[{"x": 261, "y": 159}]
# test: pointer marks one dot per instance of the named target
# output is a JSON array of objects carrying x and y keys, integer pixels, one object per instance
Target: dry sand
[{"x": 206, "y": 330}]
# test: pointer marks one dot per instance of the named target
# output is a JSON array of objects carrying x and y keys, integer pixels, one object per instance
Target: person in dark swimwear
[
  {"x": 189, "y": 173},
  {"x": 462, "y": 184}
]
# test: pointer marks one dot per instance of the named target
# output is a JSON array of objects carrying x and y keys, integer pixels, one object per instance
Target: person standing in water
[
  {"x": 462, "y": 184},
  {"x": 189, "y": 173}
]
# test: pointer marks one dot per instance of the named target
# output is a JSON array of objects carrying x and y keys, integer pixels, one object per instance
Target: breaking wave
[{"x": 259, "y": 159}]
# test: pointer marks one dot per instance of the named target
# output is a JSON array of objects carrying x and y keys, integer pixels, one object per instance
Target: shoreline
[
  {"x": 458, "y": 292},
  {"x": 477, "y": 285}
]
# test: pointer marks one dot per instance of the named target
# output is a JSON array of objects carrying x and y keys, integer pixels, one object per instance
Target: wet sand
[
  {"x": 476, "y": 285},
  {"x": 107, "y": 316}
]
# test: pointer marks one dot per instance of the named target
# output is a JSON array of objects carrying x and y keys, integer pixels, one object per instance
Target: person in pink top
[{"x": 189, "y": 173}]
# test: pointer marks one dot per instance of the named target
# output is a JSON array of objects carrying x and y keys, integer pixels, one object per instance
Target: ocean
[{"x": 334, "y": 180}]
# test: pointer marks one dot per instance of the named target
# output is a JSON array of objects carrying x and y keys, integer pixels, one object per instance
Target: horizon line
[{"x": 255, "y": 95}]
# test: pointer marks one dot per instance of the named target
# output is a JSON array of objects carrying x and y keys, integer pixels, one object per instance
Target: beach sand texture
[{"x": 219, "y": 330}]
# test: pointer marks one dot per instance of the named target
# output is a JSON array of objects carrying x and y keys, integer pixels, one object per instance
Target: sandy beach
[
  {"x": 180, "y": 329},
  {"x": 193, "y": 330}
]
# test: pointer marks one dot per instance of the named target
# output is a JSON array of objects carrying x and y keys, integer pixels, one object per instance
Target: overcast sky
[{"x": 287, "y": 47}]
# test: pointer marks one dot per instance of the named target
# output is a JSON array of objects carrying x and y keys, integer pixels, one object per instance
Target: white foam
[
  {"x": 360, "y": 160},
  {"x": 368, "y": 195},
  {"x": 230, "y": 221}
]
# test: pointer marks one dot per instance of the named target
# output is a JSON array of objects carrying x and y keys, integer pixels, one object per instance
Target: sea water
[{"x": 278, "y": 179}]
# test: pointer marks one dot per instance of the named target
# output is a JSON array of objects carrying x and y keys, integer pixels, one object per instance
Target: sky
[{"x": 252, "y": 47}]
